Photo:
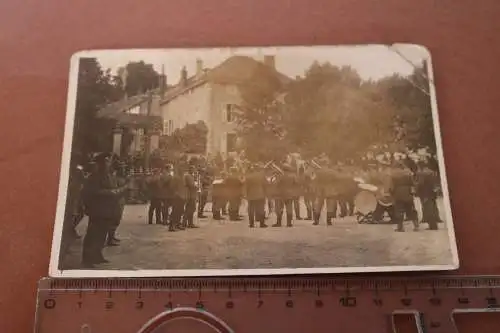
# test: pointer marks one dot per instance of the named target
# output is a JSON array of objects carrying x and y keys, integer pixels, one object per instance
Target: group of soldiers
[
  {"x": 173, "y": 194},
  {"x": 179, "y": 191},
  {"x": 399, "y": 184},
  {"x": 281, "y": 189}
]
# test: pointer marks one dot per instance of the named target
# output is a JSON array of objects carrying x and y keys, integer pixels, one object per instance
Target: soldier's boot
[
  {"x": 111, "y": 239},
  {"x": 316, "y": 218},
  {"x": 309, "y": 214},
  {"x": 416, "y": 226},
  {"x": 278, "y": 221},
  {"x": 216, "y": 214},
  {"x": 262, "y": 221},
  {"x": 289, "y": 220},
  {"x": 191, "y": 223},
  {"x": 329, "y": 218},
  {"x": 251, "y": 222},
  {"x": 150, "y": 217},
  {"x": 400, "y": 227},
  {"x": 297, "y": 212},
  {"x": 182, "y": 224}
]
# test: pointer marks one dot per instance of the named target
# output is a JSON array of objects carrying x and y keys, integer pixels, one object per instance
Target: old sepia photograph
[{"x": 252, "y": 161}]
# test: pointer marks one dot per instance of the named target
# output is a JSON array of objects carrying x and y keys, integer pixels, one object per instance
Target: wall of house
[
  {"x": 209, "y": 103},
  {"x": 190, "y": 107},
  {"x": 220, "y": 125}
]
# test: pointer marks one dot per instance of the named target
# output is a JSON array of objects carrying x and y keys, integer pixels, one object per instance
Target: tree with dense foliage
[
  {"x": 411, "y": 98},
  {"x": 139, "y": 78},
  {"x": 332, "y": 111},
  {"x": 190, "y": 139},
  {"x": 96, "y": 88},
  {"x": 261, "y": 126}
]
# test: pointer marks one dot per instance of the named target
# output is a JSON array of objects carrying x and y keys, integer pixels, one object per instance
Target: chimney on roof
[
  {"x": 269, "y": 60},
  {"x": 163, "y": 81},
  {"x": 184, "y": 75},
  {"x": 199, "y": 66}
]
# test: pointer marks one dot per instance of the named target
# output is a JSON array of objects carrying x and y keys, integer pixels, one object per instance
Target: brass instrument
[
  {"x": 314, "y": 165},
  {"x": 276, "y": 171}
]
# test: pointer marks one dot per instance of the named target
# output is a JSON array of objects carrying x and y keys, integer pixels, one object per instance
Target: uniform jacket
[
  {"x": 426, "y": 184},
  {"x": 255, "y": 186},
  {"x": 104, "y": 196},
  {"x": 165, "y": 186},
  {"x": 233, "y": 186},
  {"x": 179, "y": 189},
  {"x": 327, "y": 183},
  {"x": 206, "y": 181},
  {"x": 153, "y": 187},
  {"x": 191, "y": 187},
  {"x": 288, "y": 185},
  {"x": 272, "y": 191},
  {"x": 402, "y": 184},
  {"x": 347, "y": 187},
  {"x": 219, "y": 189}
]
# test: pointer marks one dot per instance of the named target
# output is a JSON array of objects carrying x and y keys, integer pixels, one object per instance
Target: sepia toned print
[{"x": 247, "y": 161}]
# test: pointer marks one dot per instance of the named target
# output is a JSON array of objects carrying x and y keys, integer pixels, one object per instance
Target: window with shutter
[{"x": 229, "y": 113}]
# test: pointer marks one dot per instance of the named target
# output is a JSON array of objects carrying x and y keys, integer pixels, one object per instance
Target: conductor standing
[{"x": 102, "y": 196}]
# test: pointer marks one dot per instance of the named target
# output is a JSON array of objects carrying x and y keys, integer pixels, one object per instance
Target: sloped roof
[
  {"x": 122, "y": 105},
  {"x": 234, "y": 70},
  {"x": 139, "y": 120},
  {"x": 239, "y": 69}
]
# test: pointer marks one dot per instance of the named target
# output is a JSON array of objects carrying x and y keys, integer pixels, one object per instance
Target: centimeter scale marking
[{"x": 260, "y": 304}]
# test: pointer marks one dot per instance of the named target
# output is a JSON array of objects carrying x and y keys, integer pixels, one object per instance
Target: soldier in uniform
[
  {"x": 191, "y": 194},
  {"x": 347, "y": 192},
  {"x": 271, "y": 192},
  {"x": 154, "y": 194},
  {"x": 326, "y": 184},
  {"x": 286, "y": 191},
  {"x": 102, "y": 194},
  {"x": 308, "y": 192},
  {"x": 255, "y": 192},
  {"x": 382, "y": 179},
  {"x": 426, "y": 191},
  {"x": 166, "y": 192},
  {"x": 404, "y": 206},
  {"x": 297, "y": 191},
  {"x": 234, "y": 188},
  {"x": 121, "y": 176},
  {"x": 218, "y": 196},
  {"x": 206, "y": 180},
  {"x": 178, "y": 199}
]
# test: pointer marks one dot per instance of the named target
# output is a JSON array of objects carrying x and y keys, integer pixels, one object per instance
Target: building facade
[{"x": 212, "y": 96}]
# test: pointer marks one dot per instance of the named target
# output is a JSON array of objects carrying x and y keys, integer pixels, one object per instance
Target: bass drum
[{"x": 365, "y": 202}]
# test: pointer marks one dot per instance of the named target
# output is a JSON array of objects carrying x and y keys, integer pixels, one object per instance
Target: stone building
[
  {"x": 213, "y": 96},
  {"x": 209, "y": 95}
]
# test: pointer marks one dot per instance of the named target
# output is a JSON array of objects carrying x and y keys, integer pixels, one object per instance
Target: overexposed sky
[{"x": 371, "y": 61}]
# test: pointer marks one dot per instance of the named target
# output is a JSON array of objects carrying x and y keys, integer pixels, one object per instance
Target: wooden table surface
[{"x": 37, "y": 39}]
